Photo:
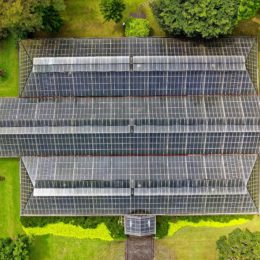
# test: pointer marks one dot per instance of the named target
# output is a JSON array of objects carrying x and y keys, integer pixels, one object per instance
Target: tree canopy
[
  {"x": 15, "y": 249},
  {"x": 112, "y": 10},
  {"x": 248, "y": 9},
  {"x": 239, "y": 245},
  {"x": 24, "y": 16},
  {"x": 205, "y": 18}
]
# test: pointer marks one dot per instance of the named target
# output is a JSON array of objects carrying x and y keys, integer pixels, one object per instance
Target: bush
[
  {"x": 162, "y": 222},
  {"x": 137, "y": 27},
  {"x": 114, "y": 224},
  {"x": 112, "y": 10},
  {"x": 162, "y": 226},
  {"x": 217, "y": 218},
  {"x": 239, "y": 245},
  {"x": 2, "y": 75},
  {"x": 26, "y": 17},
  {"x": 15, "y": 249},
  {"x": 193, "y": 18},
  {"x": 51, "y": 20},
  {"x": 248, "y": 9}
]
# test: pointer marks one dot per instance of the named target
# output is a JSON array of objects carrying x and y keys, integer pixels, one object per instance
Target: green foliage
[
  {"x": 2, "y": 74},
  {"x": 114, "y": 224},
  {"x": 218, "y": 218},
  {"x": 136, "y": 27},
  {"x": 247, "y": 9},
  {"x": 162, "y": 226},
  {"x": 23, "y": 17},
  {"x": 17, "y": 249},
  {"x": 51, "y": 20},
  {"x": 112, "y": 10},
  {"x": 239, "y": 245},
  {"x": 193, "y": 18}
]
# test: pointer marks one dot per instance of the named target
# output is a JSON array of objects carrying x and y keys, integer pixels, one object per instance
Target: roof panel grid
[{"x": 137, "y": 67}]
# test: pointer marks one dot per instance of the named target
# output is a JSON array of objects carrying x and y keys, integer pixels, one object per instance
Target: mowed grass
[
  {"x": 9, "y": 62},
  {"x": 83, "y": 19},
  {"x": 65, "y": 248},
  {"x": 9, "y": 198},
  {"x": 197, "y": 243}
]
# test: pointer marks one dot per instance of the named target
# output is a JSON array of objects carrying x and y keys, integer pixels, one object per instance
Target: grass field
[
  {"x": 83, "y": 19},
  {"x": 198, "y": 243},
  {"x": 9, "y": 62},
  {"x": 9, "y": 198},
  {"x": 64, "y": 248}
]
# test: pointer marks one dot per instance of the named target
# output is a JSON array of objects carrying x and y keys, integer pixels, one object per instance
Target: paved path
[{"x": 139, "y": 248}]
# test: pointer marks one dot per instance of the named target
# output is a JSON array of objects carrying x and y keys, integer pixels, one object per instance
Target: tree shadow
[{"x": 40, "y": 248}]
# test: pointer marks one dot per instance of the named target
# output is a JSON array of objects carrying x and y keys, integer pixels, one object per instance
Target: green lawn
[
  {"x": 9, "y": 202},
  {"x": 64, "y": 248},
  {"x": 9, "y": 62},
  {"x": 83, "y": 19},
  {"x": 197, "y": 243}
]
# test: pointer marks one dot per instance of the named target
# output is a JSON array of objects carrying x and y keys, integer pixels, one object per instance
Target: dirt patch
[{"x": 140, "y": 248}]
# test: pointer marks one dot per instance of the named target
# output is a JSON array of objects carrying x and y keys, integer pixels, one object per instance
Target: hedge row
[{"x": 114, "y": 224}]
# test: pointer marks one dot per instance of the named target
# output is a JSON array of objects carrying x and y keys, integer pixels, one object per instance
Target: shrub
[
  {"x": 137, "y": 27},
  {"x": 23, "y": 18},
  {"x": 51, "y": 20},
  {"x": 162, "y": 226},
  {"x": 239, "y": 245},
  {"x": 217, "y": 218},
  {"x": 247, "y": 9},
  {"x": 15, "y": 249},
  {"x": 112, "y": 10},
  {"x": 114, "y": 224},
  {"x": 2, "y": 74},
  {"x": 204, "y": 18}
]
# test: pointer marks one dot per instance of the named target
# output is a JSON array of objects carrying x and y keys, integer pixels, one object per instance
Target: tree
[
  {"x": 239, "y": 245},
  {"x": 112, "y": 10},
  {"x": 204, "y": 18},
  {"x": 247, "y": 9},
  {"x": 24, "y": 16},
  {"x": 15, "y": 249},
  {"x": 137, "y": 27},
  {"x": 51, "y": 20}
]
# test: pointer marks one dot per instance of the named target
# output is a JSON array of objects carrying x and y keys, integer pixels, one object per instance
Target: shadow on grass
[{"x": 40, "y": 248}]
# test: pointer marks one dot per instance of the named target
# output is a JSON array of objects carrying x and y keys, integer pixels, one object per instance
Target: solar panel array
[
  {"x": 135, "y": 126},
  {"x": 137, "y": 67}
]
